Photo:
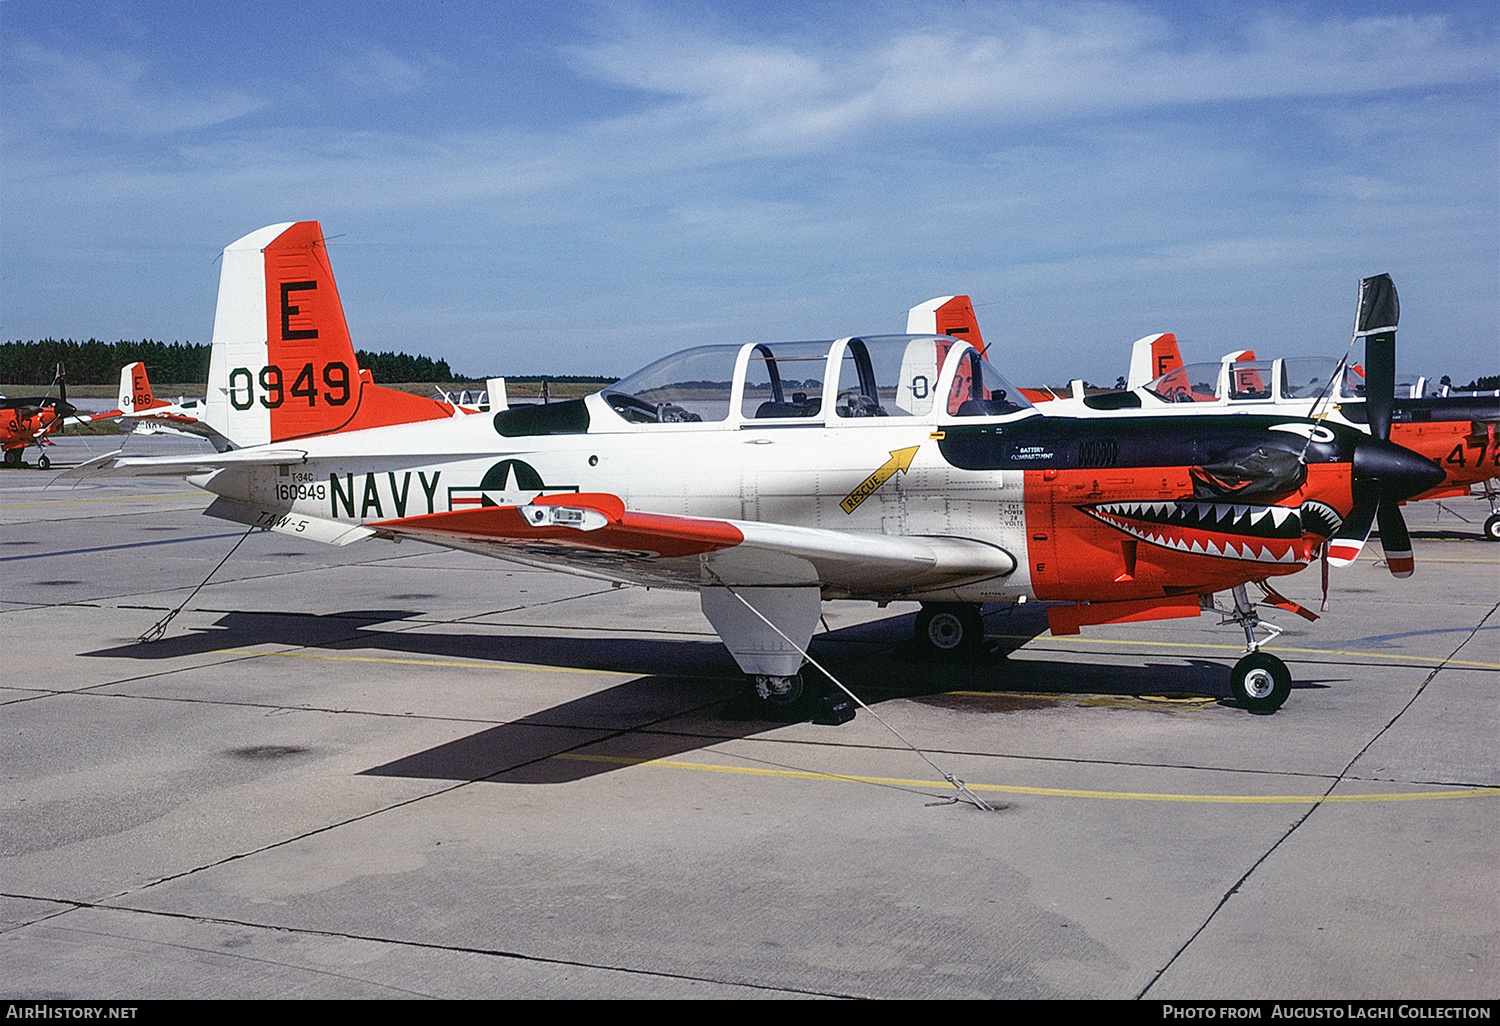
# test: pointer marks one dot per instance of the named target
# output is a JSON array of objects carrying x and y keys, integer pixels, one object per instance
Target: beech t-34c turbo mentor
[
  {"x": 769, "y": 477},
  {"x": 28, "y": 420}
]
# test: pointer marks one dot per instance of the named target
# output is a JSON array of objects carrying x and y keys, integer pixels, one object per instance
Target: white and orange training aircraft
[
  {"x": 141, "y": 412},
  {"x": 770, "y": 477}
]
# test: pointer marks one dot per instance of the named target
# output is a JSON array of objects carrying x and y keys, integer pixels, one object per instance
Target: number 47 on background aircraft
[{"x": 771, "y": 477}]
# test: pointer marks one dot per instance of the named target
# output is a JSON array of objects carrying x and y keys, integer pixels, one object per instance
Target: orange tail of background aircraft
[
  {"x": 1151, "y": 357},
  {"x": 946, "y": 315}
]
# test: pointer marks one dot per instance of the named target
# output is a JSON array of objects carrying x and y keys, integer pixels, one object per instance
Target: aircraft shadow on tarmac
[
  {"x": 689, "y": 694},
  {"x": 1443, "y": 533}
]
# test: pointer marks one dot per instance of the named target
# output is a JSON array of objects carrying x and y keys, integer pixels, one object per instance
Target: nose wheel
[
  {"x": 1261, "y": 683},
  {"x": 1492, "y": 525}
]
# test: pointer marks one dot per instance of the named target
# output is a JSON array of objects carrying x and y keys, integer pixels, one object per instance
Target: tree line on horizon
[{"x": 98, "y": 363}]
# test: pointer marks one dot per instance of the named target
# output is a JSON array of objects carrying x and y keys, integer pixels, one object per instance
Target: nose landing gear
[{"x": 1260, "y": 682}]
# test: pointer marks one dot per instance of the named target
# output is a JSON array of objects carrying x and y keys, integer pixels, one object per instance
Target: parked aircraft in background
[
  {"x": 141, "y": 412},
  {"x": 770, "y": 477},
  {"x": 28, "y": 420},
  {"x": 1456, "y": 431}
]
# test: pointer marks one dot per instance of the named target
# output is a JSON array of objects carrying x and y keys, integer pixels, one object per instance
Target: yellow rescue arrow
[{"x": 900, "y": 460}]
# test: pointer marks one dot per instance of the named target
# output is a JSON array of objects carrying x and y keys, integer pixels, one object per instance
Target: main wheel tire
[
  {"x": 1261, "y": 683},
  {"x": 949, "y": 629},
  {"x": 783, "y": 699},
  {"x": 1492, "y": 528},
  {"x": 780, "y": 692},
  {"x": 12, "y": 457}
]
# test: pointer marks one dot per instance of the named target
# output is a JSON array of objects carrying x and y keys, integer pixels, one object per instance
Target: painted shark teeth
[{"x": 1261, "y": 534}]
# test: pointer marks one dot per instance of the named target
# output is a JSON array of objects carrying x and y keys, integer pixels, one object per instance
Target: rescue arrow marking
[{"x": 900, "y": 460}]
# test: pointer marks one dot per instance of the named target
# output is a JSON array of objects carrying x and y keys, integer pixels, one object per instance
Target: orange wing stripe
[{"x": 665, "y": 536}]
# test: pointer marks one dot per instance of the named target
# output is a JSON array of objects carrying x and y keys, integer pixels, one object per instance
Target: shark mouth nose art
[{"x": 1259, "y": 534}]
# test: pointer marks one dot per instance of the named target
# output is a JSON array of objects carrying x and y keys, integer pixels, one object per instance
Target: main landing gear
[
  {"x": 15, "y": 459},
  {"x": 779, "y": 694},
  {"x": 802, "y": 696},
  {"x": 1260, "y": 682},
  {"x": 949, "y": 630},
  {"x": 1492, "y": 525}
]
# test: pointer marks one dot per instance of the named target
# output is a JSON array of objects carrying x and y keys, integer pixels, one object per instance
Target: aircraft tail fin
[
  {"x": 946, "y": 315},
  {"x": 135, "y": 390},
  {"x": 1151, "y": 357},
  {"x": 282, "y": 365}
]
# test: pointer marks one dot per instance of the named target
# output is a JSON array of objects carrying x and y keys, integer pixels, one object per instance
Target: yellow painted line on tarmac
[
  {"x": 464, "y": 665},
  {"x": 1135, "y": 643},
  {"x": 1049, "y": 792}
]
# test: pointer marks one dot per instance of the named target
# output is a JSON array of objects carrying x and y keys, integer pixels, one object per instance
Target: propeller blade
[
  {"x": 1349, "y": 540},
  {"x": 1395, "y": 540},
  {"x": 1379, "y": 310},
  {"x": 64, "y": 409}
]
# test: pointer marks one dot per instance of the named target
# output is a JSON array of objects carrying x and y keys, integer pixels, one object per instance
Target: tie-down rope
[
  {"x": 963, "y": 793},
  {"x": 155, "y": 633}
]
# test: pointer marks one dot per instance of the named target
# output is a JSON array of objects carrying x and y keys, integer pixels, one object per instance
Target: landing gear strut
[
  {"x": 949, "y": 630},
  {"x": 1492, "y": 525},
  {"x": 1260, "y": 682}
]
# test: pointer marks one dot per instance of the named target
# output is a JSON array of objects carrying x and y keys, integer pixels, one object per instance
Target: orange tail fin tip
[{"x": 946, "y": 315}]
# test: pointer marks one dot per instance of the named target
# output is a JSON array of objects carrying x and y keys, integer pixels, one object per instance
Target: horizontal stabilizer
[
  {"x": 282, "y": 521},
  {"x": 117, "y": 465}
]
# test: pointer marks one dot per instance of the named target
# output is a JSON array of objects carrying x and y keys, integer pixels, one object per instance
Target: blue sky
[{"x": 565, "y": 187}]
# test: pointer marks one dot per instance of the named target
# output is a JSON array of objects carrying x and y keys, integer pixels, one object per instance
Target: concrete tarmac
[{"x": 387, "y": 771}]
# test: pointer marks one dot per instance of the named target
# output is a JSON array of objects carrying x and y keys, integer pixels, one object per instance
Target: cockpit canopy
[
  {"x": 844, "y": 379},
  {"x": 1258, "y": 380}
]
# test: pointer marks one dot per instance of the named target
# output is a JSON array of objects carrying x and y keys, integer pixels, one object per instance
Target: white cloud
[
  {"x": 1017, "y": 66},
  {"x": 381, "y": 70},
  {"x": 113, "y": 93}
]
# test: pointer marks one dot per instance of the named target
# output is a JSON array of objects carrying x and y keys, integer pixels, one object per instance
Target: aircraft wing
[
  {"x": 89, "y": 418},
  {"x": 595, "y": 535}
]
